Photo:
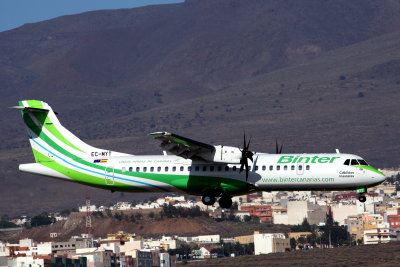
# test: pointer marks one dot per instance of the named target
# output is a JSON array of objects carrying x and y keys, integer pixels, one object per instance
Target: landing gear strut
[{"x": 362, "y": 198}]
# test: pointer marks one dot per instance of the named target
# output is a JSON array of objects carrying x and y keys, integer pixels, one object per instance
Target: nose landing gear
[{"x": 362, "y": 198}]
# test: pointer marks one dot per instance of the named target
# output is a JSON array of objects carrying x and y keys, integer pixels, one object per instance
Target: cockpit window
[
  {"x": 362, "y": 162},
  {"x": 347, "y": 162},
  {"x": 354, "y": 162}
]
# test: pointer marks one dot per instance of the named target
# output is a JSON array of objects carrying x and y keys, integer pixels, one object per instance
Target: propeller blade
[
  {"x": 280, "y": 150},
  {"x": 247, "y": 171}
]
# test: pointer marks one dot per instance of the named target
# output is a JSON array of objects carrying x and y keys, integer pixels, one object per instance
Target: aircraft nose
[{"x": 382, "y": 178}]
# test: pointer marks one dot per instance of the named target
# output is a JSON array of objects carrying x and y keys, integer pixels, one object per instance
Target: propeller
[
  {"x": 278, "y": 151},
  {"x": 246, "y": 154}
]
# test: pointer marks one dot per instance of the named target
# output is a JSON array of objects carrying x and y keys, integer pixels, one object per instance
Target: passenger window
[
  {"x": 308, "y": 167},
  {"x": 166, "y": 168},
  {"x": 347, "y": 162},
  {"x": 137, "y": 169},
  {"x": 197, "y": 168},
  {"x": 234, "y": 168},
  {"x": 300, "y": 167},
  {"x": 181, "y": 168},
  {"x": 271, "y": 167},
  {"x": 292, "y": 167},
  {"x": 152, "y": 169},
  {"x": 264, "y": 168},
  {"x": 278, "y": 167},
  {"x": 256, "y": 168},
  {"x": 174, "y": 169},
  {"x": 123, "y": 169},
  {"x": 219, "y": 168},
  {"x": 189, "y": 168},
  {"x": 285, "y": 168},
  {"x": 204, "y": 168},
  {"x": 144, "y": 169},
  {"x": 158, "y": 169},
  {"x": 211, "y": 168},
  {"x": 354, "y": 162},
  {"x": 130, "y": 169},
  {"x": 227, "y": 168}
]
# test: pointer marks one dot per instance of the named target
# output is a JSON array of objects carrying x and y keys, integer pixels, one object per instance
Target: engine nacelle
[{"x": 224, "y": 154}]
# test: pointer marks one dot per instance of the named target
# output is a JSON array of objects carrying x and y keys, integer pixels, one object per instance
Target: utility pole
[{"x": 88, "y": 229}]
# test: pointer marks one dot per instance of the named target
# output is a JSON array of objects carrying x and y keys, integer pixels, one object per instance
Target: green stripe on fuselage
[{"x": 370, "y": 168}]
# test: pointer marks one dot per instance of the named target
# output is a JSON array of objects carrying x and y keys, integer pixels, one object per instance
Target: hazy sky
[{"x": 15, "y": 13}]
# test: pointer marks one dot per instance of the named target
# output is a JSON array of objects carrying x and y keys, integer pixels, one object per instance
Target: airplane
[{"x": 191, "y": 167}]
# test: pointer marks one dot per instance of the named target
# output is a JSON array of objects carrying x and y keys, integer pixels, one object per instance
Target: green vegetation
[
  {"x": 227, "y": 249},
  {"x": 7, "y": 224},
  {"x": 42, "y": 219},
  {"x": 170, "y": 211}
]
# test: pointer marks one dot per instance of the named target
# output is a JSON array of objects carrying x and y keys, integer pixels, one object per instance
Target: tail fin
[{"x": 49, "y": 138}]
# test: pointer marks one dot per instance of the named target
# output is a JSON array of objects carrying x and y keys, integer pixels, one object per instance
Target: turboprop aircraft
[{"x": 213, "y": 172}]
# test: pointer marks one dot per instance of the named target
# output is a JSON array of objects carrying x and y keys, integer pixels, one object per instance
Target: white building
[
  {"x": 130, "y": 248},
  {"x": 381, "y": 234},
  {"x": 341, "y": 212},
  {"x": 92, "y": 208},
  {"x": 270, "y": 243}
]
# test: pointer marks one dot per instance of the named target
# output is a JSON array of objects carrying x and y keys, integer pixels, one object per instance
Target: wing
[{"x": 184, "y": 147}]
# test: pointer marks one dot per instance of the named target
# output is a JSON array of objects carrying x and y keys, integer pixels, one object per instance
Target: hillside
[
  {"x": 318, "y": 75},
  {"x": 145, "y": 226}
]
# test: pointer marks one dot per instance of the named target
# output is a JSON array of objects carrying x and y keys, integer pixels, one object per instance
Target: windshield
[{"x": 362, "y": 162}]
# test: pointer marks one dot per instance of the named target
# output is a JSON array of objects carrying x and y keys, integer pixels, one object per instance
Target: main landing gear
[{"x": 210, "y": 197}]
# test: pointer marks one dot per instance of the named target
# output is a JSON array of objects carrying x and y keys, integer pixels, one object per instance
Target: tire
[
  {"x": 225, "y": 202},
  {"x": 208, "y": 199},
  {"x": 362, "y": 198}
]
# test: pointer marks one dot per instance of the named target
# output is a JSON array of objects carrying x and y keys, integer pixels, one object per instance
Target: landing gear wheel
[
  {"x": 208, "y": 198},
  {"x": 225, "y": 202},
  {"x": 362, "y": 198}
]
